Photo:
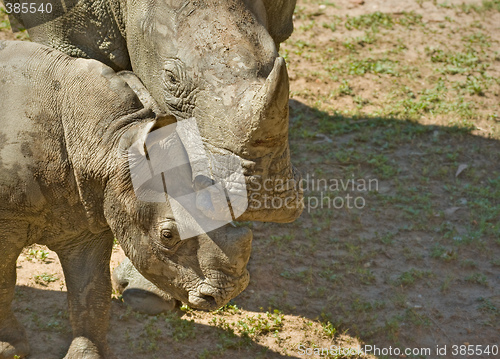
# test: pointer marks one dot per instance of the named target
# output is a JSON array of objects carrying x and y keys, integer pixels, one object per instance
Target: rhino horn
[{"x": 271, "y": 103}]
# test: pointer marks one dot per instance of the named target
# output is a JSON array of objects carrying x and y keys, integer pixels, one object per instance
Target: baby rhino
[{"x": 66, "y": 127}]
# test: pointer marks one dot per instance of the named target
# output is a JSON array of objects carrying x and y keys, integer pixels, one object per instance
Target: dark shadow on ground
[
  {"x": 44, "y": 315},
  {"x": 418, "y": 265}
]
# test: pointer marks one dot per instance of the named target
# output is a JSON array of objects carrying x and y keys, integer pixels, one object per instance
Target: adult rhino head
[
  {"x": 211, "y": 60},
  {"x": 216, "y": 62}
]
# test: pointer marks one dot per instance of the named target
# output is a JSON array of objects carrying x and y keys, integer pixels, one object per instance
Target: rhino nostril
[{"x": 209, "y": 299}]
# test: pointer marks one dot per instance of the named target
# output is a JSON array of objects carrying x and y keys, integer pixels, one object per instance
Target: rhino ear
[
  {"x": 140, "y": 90},
  {"x": 142, "y": 131},
  {"x": 162, "y": 121},
  {"x": 146, "y": 134},
  {"x": 279, "y": 19}
]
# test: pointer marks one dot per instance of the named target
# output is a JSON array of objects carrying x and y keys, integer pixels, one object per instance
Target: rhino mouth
[
  {"x": 276, "y": 197},
  {"x": 210, "y": 297}
]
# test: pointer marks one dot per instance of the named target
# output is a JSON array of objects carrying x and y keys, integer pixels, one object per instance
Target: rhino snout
[
  {"x": 209, "y": 297},
  {"x": 225, "y": 276}
]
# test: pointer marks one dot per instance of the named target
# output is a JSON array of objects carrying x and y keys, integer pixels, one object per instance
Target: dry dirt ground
[{"x": 404, "y": 94}]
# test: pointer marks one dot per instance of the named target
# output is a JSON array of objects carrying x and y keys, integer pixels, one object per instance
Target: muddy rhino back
[{"x": 34, "y": 169}]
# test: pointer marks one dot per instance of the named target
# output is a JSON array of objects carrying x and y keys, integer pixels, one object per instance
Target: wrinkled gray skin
[
  {"x": 213, "y": 60},
  {"x": 65, "y": 127}
]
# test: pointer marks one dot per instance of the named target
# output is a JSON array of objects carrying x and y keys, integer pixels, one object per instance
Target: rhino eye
[
  {"x": 168, "y": 239},
  {"x": 167, "y": 234},
  {"x": 171, "y": 78}
]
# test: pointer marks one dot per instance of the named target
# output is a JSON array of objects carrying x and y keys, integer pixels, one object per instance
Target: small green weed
[
  {"x": 181, "y": 329},
  {"x": 477, "y": 278},
  {"x": 45, "y": 278},
  {"x": 39, "y": 254},
  {"x": 410, "y": 277},
  {"x": 329, "y": 329}
]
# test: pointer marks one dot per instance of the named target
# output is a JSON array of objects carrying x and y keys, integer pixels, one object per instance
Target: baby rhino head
[
  {"x": 205, "y": 271},
  {"x": 197, "y": 260}
]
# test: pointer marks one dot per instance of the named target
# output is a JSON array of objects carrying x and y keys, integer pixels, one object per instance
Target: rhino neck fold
[{"x": 86, "y": 28}]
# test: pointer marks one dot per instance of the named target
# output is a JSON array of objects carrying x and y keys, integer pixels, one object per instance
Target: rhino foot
[
  {"x": 139, "y": 293},
  {"x": 143, "y": 301},
  {"x": 83, "y": 348},
  {"x": 11, "y": 350},
  {"x": 13, "y": 341}
]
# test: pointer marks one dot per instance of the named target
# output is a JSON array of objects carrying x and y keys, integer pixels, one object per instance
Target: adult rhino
[
  {"x": 212, "y": 60},
  {"x": 65, "y": 181}
]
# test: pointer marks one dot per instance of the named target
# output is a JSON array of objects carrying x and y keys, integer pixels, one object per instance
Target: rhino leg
[
  {"x": 139, "y": 293},
  {"x": 85, "y": 262},
  {"x": 13, "y": 340}
]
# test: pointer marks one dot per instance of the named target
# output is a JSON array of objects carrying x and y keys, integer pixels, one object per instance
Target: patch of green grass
[
  {"x": 372, "y": 21},
  {"x": 332, "y": 25},
  {"x": 301, "y": 46},
  {"x": 478, "y": 38},
  {"x": 432, "y": 101},
  {"x": 360, "y": 305},
  {"x": 55, "y": 325},
  {"x": 181, "y": 329},
  {"x": 329, "y": 329},
  {"x": 304, "y": 275},
  {"x": 447, "y": 283},
  {"x": 148, "y": 340},
  {"x": 382, "y": 66},
  {"x": 475, "y": 85},
  {"x": 330, "y": 275},
  {"x": 344, "y": 89},
  {"x": 412, "y": 316},
  {"x": 458, "y": 62},
  {"x": 392, "y": 328},
  {"x": 45, "y": 278},
  {"x": 281, "y": 240},
  {"x": 387, "y": 238},
  {"x": 252, "y": 326},
  {"x": 488, "y": 307},
  {"x": 365, "y": 275},
  {"x": 230, "y": 308},
  {"x": 4, "y": 21},
  {"x": 410, "y": 277},
  {"x": 441, "y": 252},
  {"x": 39, "y": 254},
  {"x": 377, "y": 20},
  {"x": 486, "y": 5},
  {"x": 4, "y": 25},
  {"x": 468, "y": 263},
  {"x": 383, "y": 166},
  {"x": 353, "y": 44},
  {"x": 477, "y": 278}
]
